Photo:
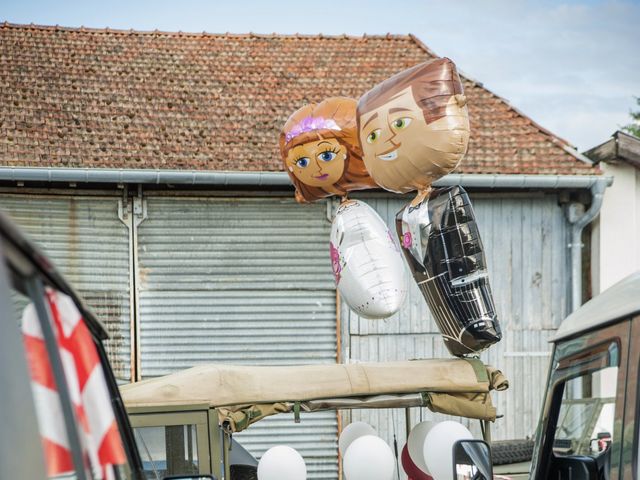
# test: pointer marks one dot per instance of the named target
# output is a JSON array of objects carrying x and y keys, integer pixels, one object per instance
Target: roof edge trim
[{"x": 230, "y": 178}]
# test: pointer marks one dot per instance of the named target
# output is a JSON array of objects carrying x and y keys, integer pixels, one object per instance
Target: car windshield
[{"x": 585, "y": 422}]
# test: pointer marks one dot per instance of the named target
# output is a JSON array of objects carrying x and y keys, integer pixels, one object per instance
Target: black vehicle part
[
  {"x": 244, "y": 472},
  {"x": 511, "y": 451}
]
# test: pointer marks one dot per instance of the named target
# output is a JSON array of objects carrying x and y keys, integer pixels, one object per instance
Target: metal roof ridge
[{"x": 131, "y": 31}]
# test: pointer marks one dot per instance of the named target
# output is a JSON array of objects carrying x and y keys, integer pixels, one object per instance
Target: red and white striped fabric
[{"x": 98, "y": 430}]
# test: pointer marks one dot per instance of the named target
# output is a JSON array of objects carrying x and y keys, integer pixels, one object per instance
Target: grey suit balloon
[{"x": 442, "y": 245}]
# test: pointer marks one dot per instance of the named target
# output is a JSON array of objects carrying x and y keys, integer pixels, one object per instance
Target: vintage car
[
  {"x": 589, "y": 422},
  {"x": 212, "y": 402},
  {"x": 588, "y": 427}
]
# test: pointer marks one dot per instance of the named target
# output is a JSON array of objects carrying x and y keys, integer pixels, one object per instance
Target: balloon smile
[
  {"x": 389, "y": 156},
  {"x": 321, "y": 177}
]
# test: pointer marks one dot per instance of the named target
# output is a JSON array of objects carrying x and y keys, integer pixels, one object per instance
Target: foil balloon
[
  {"x": 414, "y": 126},
  {"x": 320, "y": 150},
  {"x": 442, "y": 245},
  {"x": 367, "y": 262},
  {"x": 438, "y": 447}
]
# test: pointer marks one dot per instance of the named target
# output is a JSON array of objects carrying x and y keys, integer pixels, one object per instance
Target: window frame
[
  {"x": 631, "y": 441},
  {"x": 198, "y": 418}
]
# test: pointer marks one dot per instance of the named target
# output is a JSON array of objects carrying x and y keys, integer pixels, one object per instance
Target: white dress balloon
[
  {"x": 369, "y": 458},
  {"x": 438, "y": 448},
  {"x": 415, "y": 444},
  {"x": 352, "y": 432},
  {"x": 367, "y": 262},
  {"x": 282, "y": 463}
]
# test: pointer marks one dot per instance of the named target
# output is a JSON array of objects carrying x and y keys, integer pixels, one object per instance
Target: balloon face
[
  {"x": 369, "y": 457},
  {"x": 319, "y": 164},
  {"x": 414, "y": 127},
  {"x": 410, "y": 468},
  {"x": 438, "y": 448},
  {"x": 442, "y": 245},
  {"x": 366, "y": 260},
  {"x": 352, "y": 432},
  {"x": 320, "y": 150},
  {"x": 282, "y": 463}
]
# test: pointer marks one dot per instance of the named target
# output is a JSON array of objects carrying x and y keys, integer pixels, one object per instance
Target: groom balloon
[{"x": 414, "y": 129}]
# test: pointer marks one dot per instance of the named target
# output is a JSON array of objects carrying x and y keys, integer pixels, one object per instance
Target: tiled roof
[{"x": 125, "y": 99}]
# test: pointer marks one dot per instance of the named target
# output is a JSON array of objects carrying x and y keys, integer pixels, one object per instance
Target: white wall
[{"x": 617, "y": 233}]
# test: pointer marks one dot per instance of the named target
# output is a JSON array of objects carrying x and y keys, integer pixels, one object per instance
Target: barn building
[{"x": 146, "y": 164}]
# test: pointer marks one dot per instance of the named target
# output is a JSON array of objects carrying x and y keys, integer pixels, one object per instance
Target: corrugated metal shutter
[
  {"x": 525, "y": 241},
  {"x": 243, "y": 281},
  {"x": 90, "y": 245}
]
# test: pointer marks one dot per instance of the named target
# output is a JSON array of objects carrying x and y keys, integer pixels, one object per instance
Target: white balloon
[
  {"x": 352, "y": 432},
  {"x": 438, "y": 448},
  {"x": 282, "y": 463},
  {"x": 368, "y": 265},
  {"x": 369, "y": 458},
  {"x": 415, "y": 444}
]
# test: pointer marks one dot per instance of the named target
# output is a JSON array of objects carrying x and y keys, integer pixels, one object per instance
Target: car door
[
  {"x": 584, "y": 410},
  {"x": 630, "y": 465}
]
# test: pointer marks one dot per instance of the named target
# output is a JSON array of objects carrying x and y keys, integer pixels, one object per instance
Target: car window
[
  {"x": 585, "y": 422},
  {"x": 585, "y": 425},
  {"x": 167, "y": 450}
]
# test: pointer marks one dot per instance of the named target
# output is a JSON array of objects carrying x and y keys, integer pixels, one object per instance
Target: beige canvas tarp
[{"x": 243, "y": 395}]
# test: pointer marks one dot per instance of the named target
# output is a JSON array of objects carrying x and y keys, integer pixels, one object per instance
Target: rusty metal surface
[
  {"x": 85, "y": 239},
  {"x": 525, "y": 243},
  {"x": 242, "y": 281}
]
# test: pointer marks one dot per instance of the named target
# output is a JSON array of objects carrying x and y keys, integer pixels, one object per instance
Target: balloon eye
[
  {"x": 327, "y": 156},
  {"x": 373, "y": 136},
  {"x": 302, "y": 162},
  {"x": 401, "y": 123}
]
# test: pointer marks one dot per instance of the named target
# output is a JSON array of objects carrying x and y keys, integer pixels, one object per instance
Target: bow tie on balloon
[{"x": 402, "y": 135}]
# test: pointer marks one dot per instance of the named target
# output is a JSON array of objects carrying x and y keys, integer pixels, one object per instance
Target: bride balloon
[{"x": 320, "y": 150}]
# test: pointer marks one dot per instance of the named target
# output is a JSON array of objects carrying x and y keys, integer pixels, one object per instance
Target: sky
[{"x": 573, "y": 66}]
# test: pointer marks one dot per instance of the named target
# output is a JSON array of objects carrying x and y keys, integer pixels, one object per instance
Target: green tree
[{"x": 634, "y": 127}]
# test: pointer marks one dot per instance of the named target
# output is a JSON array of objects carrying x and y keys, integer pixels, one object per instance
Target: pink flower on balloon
[
  {"x": 407, "y": 240},
  {"x": 335, "y": 262}
]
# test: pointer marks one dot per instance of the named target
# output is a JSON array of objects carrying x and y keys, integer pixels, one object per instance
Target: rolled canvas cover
[
  {"x": 442, "y": 245},
  {"x": 243, "y": 395}
]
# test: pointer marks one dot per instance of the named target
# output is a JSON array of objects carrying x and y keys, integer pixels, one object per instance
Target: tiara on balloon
[{"x": 312, "y": 123}]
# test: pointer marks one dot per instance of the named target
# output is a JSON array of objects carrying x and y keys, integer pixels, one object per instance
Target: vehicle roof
[
  {"x": 244, "y": 394},
  {"x": 619, "y": 301},
  {"x": 224, "y": 385}
]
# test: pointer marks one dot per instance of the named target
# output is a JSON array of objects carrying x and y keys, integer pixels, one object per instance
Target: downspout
[{"x": 578, "y": 221}]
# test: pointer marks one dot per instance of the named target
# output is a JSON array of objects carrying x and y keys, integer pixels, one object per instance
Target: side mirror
[{"x": 472, "y": 460}]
